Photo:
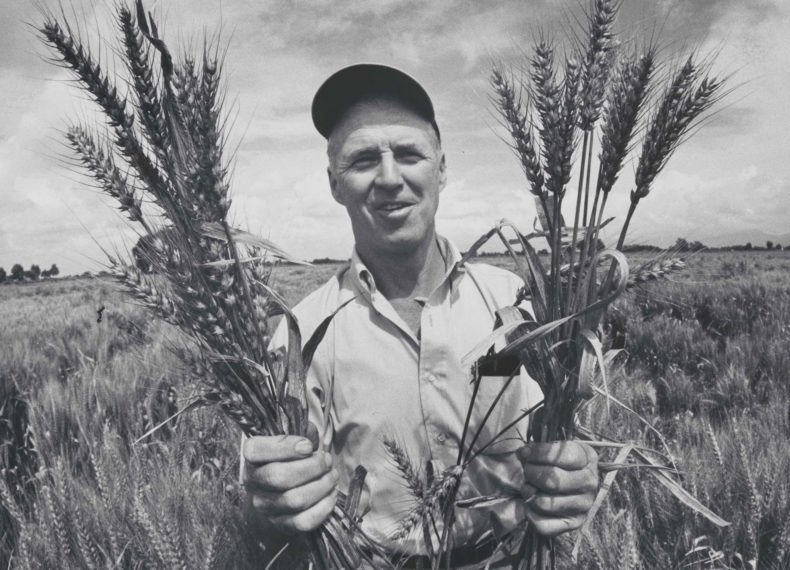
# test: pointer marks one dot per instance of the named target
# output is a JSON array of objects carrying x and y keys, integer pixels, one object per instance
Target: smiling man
[{"x": 390, "y": 365}]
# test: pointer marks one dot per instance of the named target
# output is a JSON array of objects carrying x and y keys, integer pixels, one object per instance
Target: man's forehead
[{"x": 362, "y": 118}]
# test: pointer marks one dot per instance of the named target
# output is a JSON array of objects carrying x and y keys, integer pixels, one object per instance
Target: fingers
[
  {"x": 552, "y": 526},
  {"x": 568, "y": 455},
  {"x": 265, "y": 449},
  {"x": 309, "y": 519},
  {"x": 297, "y": 500},
  {"x": 550, "y": 479},
  {"x": 285, "y": 475},
  {"x": 557, "y": 505},
  {"x": 561, "y": 480}
]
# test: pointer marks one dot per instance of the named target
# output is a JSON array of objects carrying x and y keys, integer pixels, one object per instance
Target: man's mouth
[{"x": 393, "y": 206}]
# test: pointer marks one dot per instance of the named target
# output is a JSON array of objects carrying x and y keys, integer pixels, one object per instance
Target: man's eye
[
  {"x": 409, "y": 157},
  {"x": 364, "y": 161}
]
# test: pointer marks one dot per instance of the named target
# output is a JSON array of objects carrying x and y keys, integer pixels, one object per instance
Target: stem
[
  {"x": 488, "y": 412},
  {"x": 576, "y": 219},
  {"x": 520, "y": 417},
  {"x": 556, "y": 257},
  {"x": 546, "y": 213},
  {"x": 468, "y": 415},
  {"x": 627, "y": 222},
  {"x": 583, "y": 256},
  {"x": 607, "y": 282},
  {"x": 448, "y": 523},
  {"x": 587, "y": 184},
  {"x": 600, "y": 217},
  {"x": 577, "y": 300}
]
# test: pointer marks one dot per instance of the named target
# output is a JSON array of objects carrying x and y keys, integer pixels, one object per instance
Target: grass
[{"x": 707, "y": 365}]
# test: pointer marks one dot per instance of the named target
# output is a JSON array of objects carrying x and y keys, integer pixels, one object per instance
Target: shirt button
[
  {"x": 441, "y": 437},
  {"x": 428, "y": 377}
]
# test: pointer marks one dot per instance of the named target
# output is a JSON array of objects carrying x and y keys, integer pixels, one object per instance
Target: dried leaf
[
  {"x": 482, "y": 502},
  {"x": 217, "y": 232},
  {"x": 355, "y": 492}
]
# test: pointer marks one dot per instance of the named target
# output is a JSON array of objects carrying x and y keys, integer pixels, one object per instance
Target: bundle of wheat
[
  {"x": 602, "y": 91},
  {"x": 165, "y": 165}
]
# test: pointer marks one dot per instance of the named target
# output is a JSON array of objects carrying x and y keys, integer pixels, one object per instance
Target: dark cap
[{"x": 364, "y": 81}]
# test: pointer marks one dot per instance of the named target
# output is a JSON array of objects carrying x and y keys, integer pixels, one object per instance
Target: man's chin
[{"x": 403, "y": 244}]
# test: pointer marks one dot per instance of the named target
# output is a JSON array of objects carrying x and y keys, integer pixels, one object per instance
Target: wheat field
[{"x": 707, "y": 369}]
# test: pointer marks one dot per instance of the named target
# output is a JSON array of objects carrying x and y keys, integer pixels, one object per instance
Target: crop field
[{"x": 705, "y": 373}]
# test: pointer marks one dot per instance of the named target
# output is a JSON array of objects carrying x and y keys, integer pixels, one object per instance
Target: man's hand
[
  {"x": 561, "y": 480},
  {"x": 290, "y": 486}
]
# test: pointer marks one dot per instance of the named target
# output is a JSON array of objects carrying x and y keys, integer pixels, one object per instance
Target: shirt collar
[{"x": 452, "y": 262}]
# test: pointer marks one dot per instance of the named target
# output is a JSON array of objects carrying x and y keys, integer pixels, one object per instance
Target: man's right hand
[{"x": 291, "y": 487}]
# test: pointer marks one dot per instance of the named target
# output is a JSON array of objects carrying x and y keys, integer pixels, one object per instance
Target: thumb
[{"x": 259, "y": 450}]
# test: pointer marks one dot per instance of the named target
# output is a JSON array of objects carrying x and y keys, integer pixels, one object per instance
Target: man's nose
[{"x": 389, "y": 174}]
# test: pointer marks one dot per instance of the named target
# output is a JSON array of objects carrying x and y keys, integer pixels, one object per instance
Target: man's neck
[{"x": 413, "y": 274}]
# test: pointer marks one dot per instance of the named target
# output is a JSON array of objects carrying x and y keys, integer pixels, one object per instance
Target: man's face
[{"x": 387, "y": 168}]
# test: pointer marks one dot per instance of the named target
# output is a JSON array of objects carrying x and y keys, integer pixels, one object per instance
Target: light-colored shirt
[{"x": 390, "y": 383}]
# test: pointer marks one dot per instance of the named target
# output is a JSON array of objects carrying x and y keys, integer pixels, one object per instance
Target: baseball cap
[{"x": 362, "y": 81}]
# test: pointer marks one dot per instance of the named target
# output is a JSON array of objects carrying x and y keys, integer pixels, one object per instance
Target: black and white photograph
[{"x": 396, "y": 284}]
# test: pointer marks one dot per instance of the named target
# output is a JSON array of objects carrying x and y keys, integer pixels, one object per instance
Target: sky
[{"x": 732, "y": 176}]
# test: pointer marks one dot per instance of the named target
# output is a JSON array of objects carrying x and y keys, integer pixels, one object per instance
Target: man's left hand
[{"x": 561, "y": 481}]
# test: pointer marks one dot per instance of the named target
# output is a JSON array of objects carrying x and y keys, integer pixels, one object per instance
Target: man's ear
[
  {"x": 333, "y": 186},
  {"x": 442, "y": 172}
]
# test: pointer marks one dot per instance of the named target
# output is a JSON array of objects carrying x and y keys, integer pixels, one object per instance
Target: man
[{"x": 390, "y": 364}]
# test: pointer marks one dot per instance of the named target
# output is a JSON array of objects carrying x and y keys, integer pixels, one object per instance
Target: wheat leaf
[
  {"x": 203, "y": 401},
  {"x": 593, "y": 353},
  {"x": 318, "y": 334},
  {"x": 680, "y": 493}
]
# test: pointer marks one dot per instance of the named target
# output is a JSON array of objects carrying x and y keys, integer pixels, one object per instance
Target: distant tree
[
  {"x": 3, "y": 275},
  {"x": 17, "y": 273},
  {"x": 45, "y": 274},
  {"x": 681, "y": 244},
  {"x": 696, "y": 246},
  {"x": 35, "y": 272},
  {"x": 748, "y": 246},
  {"x": 54, "y": 271},
  {"x": 769, "y": 245},
  {"x": 778, "y": 246},
  {"x": 638, "y": 248}
]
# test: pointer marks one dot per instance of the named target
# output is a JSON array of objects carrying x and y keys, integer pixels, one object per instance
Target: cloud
[{"x": 732, "y": 174}]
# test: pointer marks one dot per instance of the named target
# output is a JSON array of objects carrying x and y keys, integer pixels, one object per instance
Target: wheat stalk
[
  {"x": 605, "y": 97},
  {"x": 435, "y": 498},
  {"x": 655, "y": 270},
  {"x": 207, "y": 278},
  {"x": 405, "y": 467},
  {"x": 510, "y": 107}
]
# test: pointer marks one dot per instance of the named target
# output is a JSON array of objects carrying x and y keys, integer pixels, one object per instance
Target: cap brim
[{"x": 363, "y": 81}]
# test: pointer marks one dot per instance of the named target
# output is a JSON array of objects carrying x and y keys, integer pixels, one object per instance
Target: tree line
[{"x": 19, "y": 274}]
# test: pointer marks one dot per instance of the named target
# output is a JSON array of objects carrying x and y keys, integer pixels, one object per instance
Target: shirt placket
[{"x": 439, "y": 399}]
